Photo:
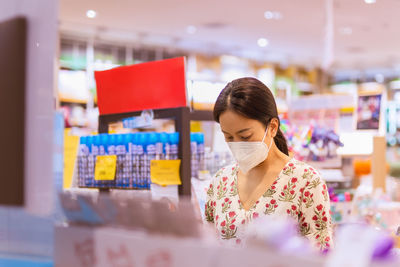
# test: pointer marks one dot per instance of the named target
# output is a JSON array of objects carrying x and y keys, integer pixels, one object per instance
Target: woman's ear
[{"x": 273, "y": 127}]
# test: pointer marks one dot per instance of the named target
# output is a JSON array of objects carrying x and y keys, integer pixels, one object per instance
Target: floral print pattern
[{"x": 298, "y": 192}]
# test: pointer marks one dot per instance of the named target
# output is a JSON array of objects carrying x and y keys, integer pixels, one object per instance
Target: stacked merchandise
[
  {"x": 134, "y": 152},
  {"x": 311, "y": 143}
]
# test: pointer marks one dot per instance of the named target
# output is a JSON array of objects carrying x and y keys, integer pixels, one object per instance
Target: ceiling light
[
  {"x": 269, "y": 15},
  {"x": 370, "y": 1},
  {"x": 272, "y": 15},
  {"x": 346, "y": 31},
  {"x": 91, "y": 14},
  {"x": 191, "y": 29},
  {"x": 262, "y": 42}
]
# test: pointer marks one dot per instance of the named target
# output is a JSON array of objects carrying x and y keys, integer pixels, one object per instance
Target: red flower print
[
  {"x": 267, "y": 206},
  {"x": 291, "y": 164},
  {"x": 315, "y": 218},
  {"x": 324, "y": 187},
  {"x": 223, "y": 231},
  {"x": 231, "y": 214},
  {"x": 234, "y": 220},
  {"x": 275, "y": 206},
  {"x": 311, "y": 195},
  {"x": 307, "y": 194},
  {"x": 224, "y": 188},
  {"x": 319, "y": 207},
  {"x": 244, "y": 221},
  {"x": 314, "y": 173},
  {"x": 232, "y": 227},
  {"x": 257, "y": 202},
  {"x": 273, "y": 201},
  {"x": 218, "y": 187},
  {"x": 327, "y": 239},
  {"x": 288, "y": 211},
  {"x": 223, "y": 204},
  {"x": 285, "y": 187},
  {"x": 294, "y": 180},
  {"x": 224, "y": 179},
  {"x": 285, "y": 169},
  {"x": 294, "y": 207},
  {"x": 304, "y": 200},
  {"x": 317, "y": 237},
  {"x": 232, "y": 183},
  {"x": 308, "y": 183},
  {"x": 275, "y": 182},
  {"x": 230, "y": 202},
  {"x": 283, "y": 194},
  {"x": 301, "y": 190},
  {"x": 304, "y": 225},
  {"x": 215, "y": 203},
  {"x": 325, "y": 219},
  {"x": 317, "y": 225},
  {"x": 223, "y": 223},
  {"x": 255, "y": 215},
  {"x": 226, "y": 199},
  {"x": 216, "y": 217},
  {"x": 238, "y": 241},
  {"x": 323, "y": 213},
  {"x": 273, "y": 187},
  {"x": 210, "y": 185},
  {"x": 239, "y": 201},
  {"x": 292, "y": 192},
  {"x": 305, "y": 170}
]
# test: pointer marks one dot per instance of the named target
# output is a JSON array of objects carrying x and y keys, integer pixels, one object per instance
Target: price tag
[
  {"x": 106, "y": 167},
  {"x": 165, "y": 172}
]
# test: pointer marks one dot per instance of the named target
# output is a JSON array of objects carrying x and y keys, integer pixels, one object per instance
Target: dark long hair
[{"x": 252, "y": 99}]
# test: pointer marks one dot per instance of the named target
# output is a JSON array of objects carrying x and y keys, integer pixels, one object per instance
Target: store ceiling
[{"x": 365, "y": 35}]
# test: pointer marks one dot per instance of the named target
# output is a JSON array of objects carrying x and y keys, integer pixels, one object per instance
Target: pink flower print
[
  {"x": 231, "y": 214},
  {"x": 291, "y": 164},
  {"x": 226, "y": 199},
  {"x": 255, "y": 215},
  {"x": 285, "y": 187},
  {"x": 224, "y": 179},
  {"x": 223, "y": 223},
  {"x": 216, "y": 217},
  {"x": 244, "y": 221},
  {"x": 238, "y": 241},
  {"x": 232, "y": 227}
]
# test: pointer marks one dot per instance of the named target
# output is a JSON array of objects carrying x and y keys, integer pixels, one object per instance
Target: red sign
[{"x": 152, "y": 85}]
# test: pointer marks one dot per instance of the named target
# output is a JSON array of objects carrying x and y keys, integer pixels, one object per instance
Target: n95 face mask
[{"x": 249, "y": 154}]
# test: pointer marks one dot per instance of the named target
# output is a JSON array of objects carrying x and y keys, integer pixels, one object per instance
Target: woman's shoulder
[
  {"x": 302, "y": 170},
  {"x": 227, "y": 172}
]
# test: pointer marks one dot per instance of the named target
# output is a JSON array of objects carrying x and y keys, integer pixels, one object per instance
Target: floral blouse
[{"x": 298, "y": 192}]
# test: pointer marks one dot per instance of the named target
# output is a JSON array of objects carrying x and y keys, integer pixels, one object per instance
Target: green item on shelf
[{"x": 395, "y": 169}]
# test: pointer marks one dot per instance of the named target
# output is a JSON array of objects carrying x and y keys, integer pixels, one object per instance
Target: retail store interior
[{"x": 110, "y": 140}]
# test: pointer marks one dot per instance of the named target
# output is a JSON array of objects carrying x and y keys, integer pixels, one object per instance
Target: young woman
[{"x": 264, "y": 180}]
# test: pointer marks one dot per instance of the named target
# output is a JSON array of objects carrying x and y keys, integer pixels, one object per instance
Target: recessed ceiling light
[
  {"x": 370, "y": 1},
  {"x": 91, "y": 14},
  {"x": 262, "y": 42},
  {"x": 346, "y": 30},
  {"x": 191, "y": 29},
  {"x": 272, "y": 15}
]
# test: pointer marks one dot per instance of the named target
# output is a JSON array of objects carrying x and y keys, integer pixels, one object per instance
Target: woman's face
[{"x": 237, "y": 128}]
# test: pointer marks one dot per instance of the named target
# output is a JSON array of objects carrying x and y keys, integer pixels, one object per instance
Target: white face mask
[{"x": 249, "y": 154}]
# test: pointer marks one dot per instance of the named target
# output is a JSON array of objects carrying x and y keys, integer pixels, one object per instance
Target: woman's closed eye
[{"x": 245, "y": 138}]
